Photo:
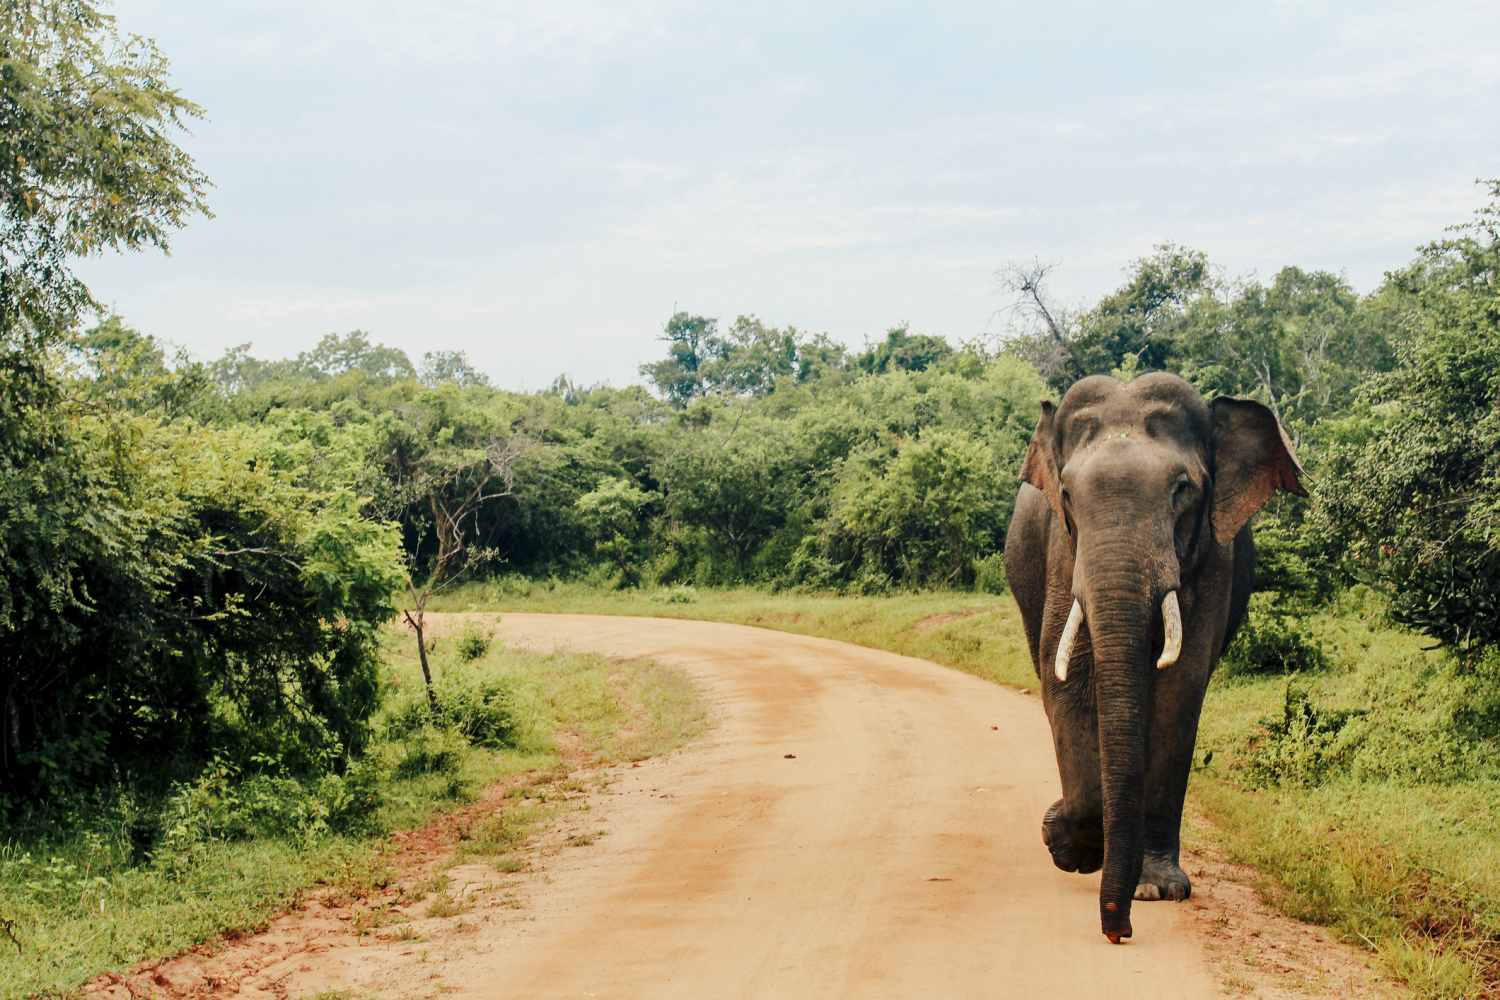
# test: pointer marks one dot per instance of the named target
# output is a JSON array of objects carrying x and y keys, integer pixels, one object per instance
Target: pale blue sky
[{"x": 542, "y": 184}]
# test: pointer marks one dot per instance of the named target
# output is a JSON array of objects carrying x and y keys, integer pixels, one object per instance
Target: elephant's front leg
[
  {"x": 1176, "y": 704},
  {"x": 1073, "y": 827}
]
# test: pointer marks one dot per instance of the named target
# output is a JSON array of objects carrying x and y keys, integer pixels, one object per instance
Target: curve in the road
[{"x": 857, "y": 824}]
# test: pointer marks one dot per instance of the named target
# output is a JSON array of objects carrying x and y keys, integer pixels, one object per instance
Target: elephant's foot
[
  {"x": 1161, "y": 878},
  {"x": 1075, "y": 847}
]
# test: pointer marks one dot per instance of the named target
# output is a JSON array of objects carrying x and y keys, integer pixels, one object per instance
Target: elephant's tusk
[
  {"x": 1171, "y": 620},
  {"x": 1065, "y": 646}
]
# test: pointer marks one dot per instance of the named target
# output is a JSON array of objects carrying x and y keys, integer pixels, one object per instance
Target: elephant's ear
[
  {"x": 1253, "y": 458},
  {"x": 1040, "y": 467}
]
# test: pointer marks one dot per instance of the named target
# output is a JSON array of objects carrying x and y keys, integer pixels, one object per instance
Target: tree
[
  {"x": 1044, "y": 329},
  {"x": 614, "y": 513},
  {"x": 1141, "y": 318},
  {"x": 679, "y": 376},
  {"x": 919, "y": 517},
  {"x": 1413, "y": 496},
  {"x": 353, "y": 352},
  {"x": 450, "y": 366},
  {"x": 1301, "y": 345},
  {"x": 730, "y": 486},
  {"x": 904, "y": 351},
  {"x": 1135, "y": 327},
  {"x": 442, "y": 463},
  {"x": 88, "y": 162},
  {"x": 750, "y": 359},
  {"x": 87, "y": 157}
]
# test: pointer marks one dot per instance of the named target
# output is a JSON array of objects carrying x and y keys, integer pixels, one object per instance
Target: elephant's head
[{"x": 1149, "y": 482}]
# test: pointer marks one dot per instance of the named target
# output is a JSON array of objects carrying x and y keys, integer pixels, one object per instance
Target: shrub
[
  {"x": 430, "y": 750},
  {"x": 1420, "y": 722},
  {"x": 989, "y": 574},
  {"x": 473, "y": 643},
  {"x": 1301, "y": 748},
  {"x": 1413, "y": 502},
  {"x": 224, "y": 803},
  {"x": 1434, "y": 723},
  {"x": 482, "y": 712},
  {"x": 616, "y": 516},
  {"x": 195, "y": 600},
  {"x": 919, "y": 517},
  {"x": 1272, "y": 642}
]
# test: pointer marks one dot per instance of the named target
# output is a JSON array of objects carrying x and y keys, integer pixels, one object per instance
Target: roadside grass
[
  {"x": 104, "y": 884},
  {"x": 1391, "y": 839}
]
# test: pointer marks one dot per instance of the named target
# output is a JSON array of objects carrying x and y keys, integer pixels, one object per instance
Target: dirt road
[
  {"x": 856, "y": 824},
  {"x": 859, "y": 824}
]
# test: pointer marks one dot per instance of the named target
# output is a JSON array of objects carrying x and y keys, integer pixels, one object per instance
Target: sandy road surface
[{"x": 897, "y": 854}]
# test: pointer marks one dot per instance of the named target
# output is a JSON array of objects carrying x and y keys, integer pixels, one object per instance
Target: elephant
[{"x": 1131, "y": 559}]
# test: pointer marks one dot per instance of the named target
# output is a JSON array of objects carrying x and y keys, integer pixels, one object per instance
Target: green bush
[
  {"x": 1301, "y": 748},
  {"x": 1271, "y": 642},
  {"x": 989, "y": 574},
  {"x": 238, "y": 607},
  {"x": 616, "y": 515},
  {"x": 919, "y": 517},
  {"x": 431, "y": 750},
  {"x": 1421, "y": 721},
  {"x": 1434, "y": 723},
  {"x": 225, "y": 804},
  {"x": 473, "y": 643},
  {"x": 1412, "y": 501},
  {"x": 482, "y": 712}
]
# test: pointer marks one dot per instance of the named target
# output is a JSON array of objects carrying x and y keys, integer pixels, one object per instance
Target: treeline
[
  {"x": 768, "y": 456},
  {"x": 198, "y": 553}
]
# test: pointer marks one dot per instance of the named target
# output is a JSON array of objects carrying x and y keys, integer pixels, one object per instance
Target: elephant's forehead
[
  {"x": 1160, "y": 407},
  {"x": 1134, "y": 404}
]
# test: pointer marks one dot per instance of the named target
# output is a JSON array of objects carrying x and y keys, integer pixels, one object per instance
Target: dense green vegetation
[{"x": 199, "y": 557}]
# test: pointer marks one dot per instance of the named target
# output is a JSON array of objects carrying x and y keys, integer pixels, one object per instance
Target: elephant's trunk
[{"x": 1121, "y": 609}]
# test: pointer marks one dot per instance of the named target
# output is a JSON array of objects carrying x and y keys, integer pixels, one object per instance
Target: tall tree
[
  {"x": 1415, "y": 497},
  {"x": 88, "y": 160},
  {"x": 679, "y": 376}
]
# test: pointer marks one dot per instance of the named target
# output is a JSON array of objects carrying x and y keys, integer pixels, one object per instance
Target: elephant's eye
[{"x": 1181, "y": 491}]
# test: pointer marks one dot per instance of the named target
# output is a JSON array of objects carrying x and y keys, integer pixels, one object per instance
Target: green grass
[
  {"x": 1396, "y": 848},
  {"x": 81, "y": 898}
]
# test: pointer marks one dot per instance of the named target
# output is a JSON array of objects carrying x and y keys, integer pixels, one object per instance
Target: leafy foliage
[
  {"x": 1413, "y": 499},
  {"x": 923, "y": 515},
  {"x": 238, "y": 608},
  {"x": 749, "y": 359},
  {"x": 1272, "y": 642},
  {"x": 86, "y": 158},
  {"x": 1299, "y": 748}
]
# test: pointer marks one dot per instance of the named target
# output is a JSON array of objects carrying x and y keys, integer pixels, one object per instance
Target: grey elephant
[{"x": 1131, "y": 558}]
